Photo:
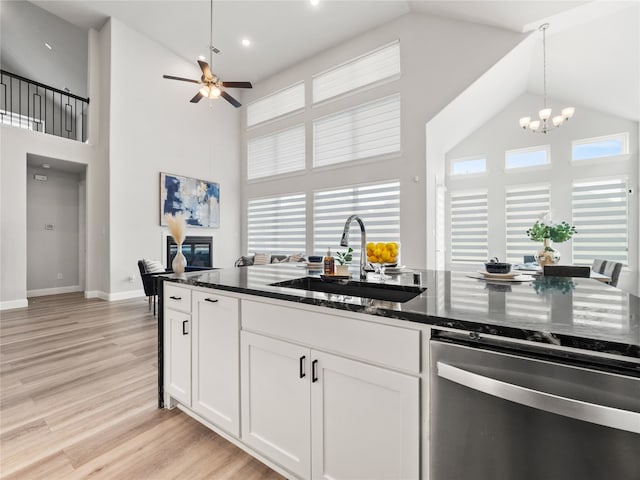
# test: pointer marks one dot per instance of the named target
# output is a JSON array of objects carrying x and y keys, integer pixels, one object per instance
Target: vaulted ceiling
[{"x": 592, "y": 46}]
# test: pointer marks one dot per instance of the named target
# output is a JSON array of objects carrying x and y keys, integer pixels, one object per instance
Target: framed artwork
[{"x": 197, "y": 200}]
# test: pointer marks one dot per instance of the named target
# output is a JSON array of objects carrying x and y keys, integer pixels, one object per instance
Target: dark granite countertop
[{"x": 572, "y": 312}]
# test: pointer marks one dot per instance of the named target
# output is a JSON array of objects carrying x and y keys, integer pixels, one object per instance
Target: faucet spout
[{"x": 344, "y": 242}]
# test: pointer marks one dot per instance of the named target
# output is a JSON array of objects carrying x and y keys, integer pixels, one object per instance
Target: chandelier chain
[{"x": 544, "y": 61}]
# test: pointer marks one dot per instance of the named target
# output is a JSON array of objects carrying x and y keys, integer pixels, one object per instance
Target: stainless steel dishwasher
[{"x": 501, "y": 413}]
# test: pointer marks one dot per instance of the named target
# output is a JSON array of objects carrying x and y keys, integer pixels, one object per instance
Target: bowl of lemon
[{"x": 382, "y": 255}]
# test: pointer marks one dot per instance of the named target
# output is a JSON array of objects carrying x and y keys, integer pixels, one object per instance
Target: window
[
  {"x": 469, "y": 226},
  {"x": 523, "y": 207},
  {"x": 527, "y": 157},
  {"x": 280, "y": 103},
  {"x": 468, "y": 166},
  {"x": 383, "y": 63},
  {"x": 598, "y": 147},
  {"x": 365, "y": 131},
  {"x": 277, "y": 225},
  {"x": 276, "y": 153},
  {"x": 600, "y": 216},
  {"x": 377, "y": 205}
]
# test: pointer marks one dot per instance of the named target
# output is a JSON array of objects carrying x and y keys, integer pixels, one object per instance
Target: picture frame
[{"x": 197, "y": 200}]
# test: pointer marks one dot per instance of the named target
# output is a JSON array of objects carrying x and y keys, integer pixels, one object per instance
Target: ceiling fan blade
[
  {"x": 237, "y": 84},
  {"x": 171, "y": 77},
  {"x": 196, "y": 98},
  {"x": 204, "y": 66},
  {"x": 230, "y": 99}
]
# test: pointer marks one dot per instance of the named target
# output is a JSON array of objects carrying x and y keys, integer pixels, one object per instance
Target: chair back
[
  {"x": 609, "y": 268},
  {"x": 566, "y": 271}
]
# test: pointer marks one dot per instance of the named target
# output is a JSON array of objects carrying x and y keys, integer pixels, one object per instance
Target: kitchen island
[{"x": 359, "y": 369}]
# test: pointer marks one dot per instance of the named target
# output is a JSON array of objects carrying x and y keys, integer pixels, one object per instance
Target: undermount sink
[{"x": 376, "y": 291}]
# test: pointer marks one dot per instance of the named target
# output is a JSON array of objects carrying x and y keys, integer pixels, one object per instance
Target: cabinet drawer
[
  {"x": 177, "y": 298},
  {"x": 386, "y": 345}
]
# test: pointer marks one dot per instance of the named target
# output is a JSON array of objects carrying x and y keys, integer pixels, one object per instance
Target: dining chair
[
  {"x": 609, "y": 268},
  {"x": 566, "y": 271}
]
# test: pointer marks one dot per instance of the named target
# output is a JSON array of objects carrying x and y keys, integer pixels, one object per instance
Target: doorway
[{"x": 56, "y": 226}]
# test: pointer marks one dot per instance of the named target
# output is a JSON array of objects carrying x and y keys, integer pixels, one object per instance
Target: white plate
[
  {"x": 517, "y": 278},
  {"x": 499, "y": 275}
]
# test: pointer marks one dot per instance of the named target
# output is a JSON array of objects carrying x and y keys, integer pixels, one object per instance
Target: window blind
[
  {"x": 469, "y": 216},
  {"x": 377, "y": 205},
  {"x": 600, "y": 215},
  {"x": 365, "y": 131},
  {"x": 372, "y": 67},
  {"x": 277, "y": 225},
  {"x": 276, "y": 153},
  {"x": 280, "y": 103},
  {"x": 524, "y": 205}
]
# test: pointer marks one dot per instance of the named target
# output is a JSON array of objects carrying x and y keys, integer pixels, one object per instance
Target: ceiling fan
[{"x": 212, "y": 86}]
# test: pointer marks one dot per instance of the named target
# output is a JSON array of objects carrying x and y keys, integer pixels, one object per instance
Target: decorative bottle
[{"x": 329, "y": 263}]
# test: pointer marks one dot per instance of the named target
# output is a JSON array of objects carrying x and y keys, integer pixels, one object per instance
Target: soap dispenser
[{"x": 329, "y": 263}]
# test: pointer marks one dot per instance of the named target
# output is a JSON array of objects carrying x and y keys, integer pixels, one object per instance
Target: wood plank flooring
[{"x": 78, "y": 400}]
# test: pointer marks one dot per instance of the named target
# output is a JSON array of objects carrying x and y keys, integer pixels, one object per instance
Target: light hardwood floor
[{"x": 78, "y": 400}]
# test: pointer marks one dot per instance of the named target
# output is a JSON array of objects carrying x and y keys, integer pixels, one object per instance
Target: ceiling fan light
[
  {"x": 214, "y": 92},
  {"x": 568, "y": 112},
  {"x": 557, "y": 120},
  {"x": 524, "y": 122},
  {"x": 204, "y": 91}
]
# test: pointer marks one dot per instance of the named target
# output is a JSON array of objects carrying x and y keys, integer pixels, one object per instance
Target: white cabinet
[
  {"x": 324, "y": 416},
  {"x": 177, "y": 355},
  {"x": 202, "y": 350},
  {"x": 275, "y": 401},
  {"x": 364, "y": 421},
  {"x": 215, "y": 356}
]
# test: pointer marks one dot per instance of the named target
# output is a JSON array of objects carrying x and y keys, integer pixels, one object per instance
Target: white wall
[
  {"x": 440, "y": 58},
  {"x": 153, "y": 128},
  {"x": 52, "y": 252},
  {"x": 15, "y": 146},
  {"x": 502, "y": 132},
  {"x": 24, "y": 30}
]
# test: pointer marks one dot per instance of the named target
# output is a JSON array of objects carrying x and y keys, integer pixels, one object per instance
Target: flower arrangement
[
  {"x": 344, "y": 258},
  {"x": 558, "y": 233},
  {"x": 177, "y": 226}
]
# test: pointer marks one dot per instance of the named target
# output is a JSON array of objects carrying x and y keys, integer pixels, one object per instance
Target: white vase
[
  {"x": 342, "y": 270},
  {"x": 179, "y": 263},
  {"x": 548, "y": 255}
]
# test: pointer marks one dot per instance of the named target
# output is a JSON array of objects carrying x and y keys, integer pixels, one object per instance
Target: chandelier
[{"x": 546, "y": 123}]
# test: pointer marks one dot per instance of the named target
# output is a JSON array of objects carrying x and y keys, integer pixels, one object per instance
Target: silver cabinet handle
[{"x": 567, "y": 407}]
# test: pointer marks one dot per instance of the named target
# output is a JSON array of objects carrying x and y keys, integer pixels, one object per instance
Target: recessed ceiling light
[
  {"x": 46, "y": 165},
  {"x": 315, "y": 3},
  {"x": 246, "y": 42},
  {"x": 201, "y": 57},
  {"x": 48, "y": 46}
]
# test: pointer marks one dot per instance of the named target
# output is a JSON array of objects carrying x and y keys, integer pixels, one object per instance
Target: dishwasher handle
[{"x": 567, "y": 407}]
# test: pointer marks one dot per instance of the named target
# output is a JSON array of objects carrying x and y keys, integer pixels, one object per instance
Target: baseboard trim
[
  {"x": 95, "y": 294},
  {"x": 11, "y": 304},
  {"x": 53, "y": 291},
  {"x": 114, "y": 297}
]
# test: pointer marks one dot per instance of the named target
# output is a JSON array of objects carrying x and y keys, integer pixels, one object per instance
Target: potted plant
[
  {"x": 344, "y": 259},
  {"x": 541, "y": 232}
]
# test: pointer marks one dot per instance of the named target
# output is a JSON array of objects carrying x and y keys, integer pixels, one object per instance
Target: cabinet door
[
  {"x": 216, "y": 352},
  {"x": 364, "y": 421},
  {"x": 177, "y": 359},
  {"x": 275, "y": 401}
]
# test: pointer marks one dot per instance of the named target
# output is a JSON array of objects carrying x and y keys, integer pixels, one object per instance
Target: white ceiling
[
  {"x": 592, "y": 46},
  {"x": 283, "y": 32}
]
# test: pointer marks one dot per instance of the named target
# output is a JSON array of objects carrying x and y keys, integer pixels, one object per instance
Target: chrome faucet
[{"x": 344, "y": 242}]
